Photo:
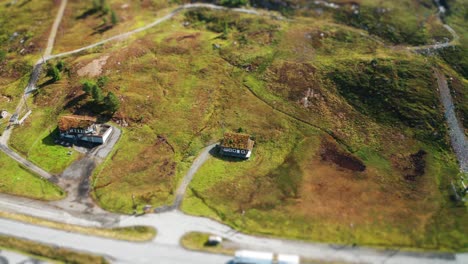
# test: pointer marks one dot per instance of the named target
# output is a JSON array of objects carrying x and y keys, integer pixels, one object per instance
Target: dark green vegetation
[
  {"x": 457, "y": 57},
  {"x": 351, "y": 145},
  {"x": 55, "y": 71},
  {"x": 395, "y": 24},
  {"x": 55, "y": 253},
  {"x": 101, "y": 104},
  {"x": 393, "y": 91}
]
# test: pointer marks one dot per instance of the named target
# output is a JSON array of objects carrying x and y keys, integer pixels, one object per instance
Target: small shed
[{"x": 237, "y": 145}]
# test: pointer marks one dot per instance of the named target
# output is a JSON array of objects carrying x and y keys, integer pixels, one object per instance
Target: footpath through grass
[{"x": 17, "y": 180}]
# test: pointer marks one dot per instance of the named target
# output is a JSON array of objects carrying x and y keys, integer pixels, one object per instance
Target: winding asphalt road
[{"x": 172, "y": 225}]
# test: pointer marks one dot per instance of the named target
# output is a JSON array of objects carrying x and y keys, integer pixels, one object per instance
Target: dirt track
[{"x": 456, "y": 131}]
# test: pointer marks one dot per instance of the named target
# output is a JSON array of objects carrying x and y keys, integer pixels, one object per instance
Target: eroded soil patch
[
  {"x": 329, "y": 152},
  {"x": 94, "y": 68}
]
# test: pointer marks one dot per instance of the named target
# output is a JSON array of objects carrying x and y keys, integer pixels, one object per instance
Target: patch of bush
[
  {"x": 393, "y": 92},
  {"x": 233, "y": 3},
  {"x": 457, "y": 57},
  {"x": 109, "y": 103},
  {"x": 219, "y": 22},
  {"x": 389, "y": 24}
]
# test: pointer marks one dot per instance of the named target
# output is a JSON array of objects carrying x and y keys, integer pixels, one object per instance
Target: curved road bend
[{"x": 453, "y": 42}]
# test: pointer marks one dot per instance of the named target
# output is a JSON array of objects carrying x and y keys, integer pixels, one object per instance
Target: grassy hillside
[
  {"x": 351, "y": 145},
  {"x": 357, "y": 96},
  {"x": 23, "y": 34},
  {"x": 84, "y": 23}
]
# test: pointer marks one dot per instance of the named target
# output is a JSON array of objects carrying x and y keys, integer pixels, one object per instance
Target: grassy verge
[
  {"x": 56, "y": 253},
  {"x": 134, "y": 233},
  {"x": 17, "y": 180},
  {"x": 198, "y": 241}
]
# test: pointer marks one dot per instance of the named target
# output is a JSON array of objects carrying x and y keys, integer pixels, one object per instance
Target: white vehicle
[
  {"x": 253, "y": 257},
  {"x": 288, "y": 259}
]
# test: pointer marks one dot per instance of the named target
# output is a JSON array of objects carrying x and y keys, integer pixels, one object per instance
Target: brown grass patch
[
  {"x": 180, "y": 43},
  {"x": 411, "y": 166},
  {"x": 347, "y": 197}
]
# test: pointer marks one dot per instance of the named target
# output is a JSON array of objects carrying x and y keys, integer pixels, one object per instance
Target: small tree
[
  {"x": 88, "y": 86},
  {"x": 114, "y": 18},
  {"x": 96, "y": 93},
  {"x": 60, "y": 65},
  {"x": 53, "y": 72},
  {"x": 102, "y": 81},
  {"x": 111, "y": 102}
]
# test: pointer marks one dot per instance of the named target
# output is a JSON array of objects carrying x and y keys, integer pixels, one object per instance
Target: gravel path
[
  {"x": 197, "y": 163},
  {"x": 456, "y": 131},
  {"x": 53, "y": 31},
  {"x": 453, "y": 42}
]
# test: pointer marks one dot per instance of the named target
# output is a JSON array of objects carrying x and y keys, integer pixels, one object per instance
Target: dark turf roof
[{"x": 237, "y": 140}]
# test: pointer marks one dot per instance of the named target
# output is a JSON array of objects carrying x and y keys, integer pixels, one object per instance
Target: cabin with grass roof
[
  {"x": 238, "y": 145},
  {"x": 83, "y": 129}
]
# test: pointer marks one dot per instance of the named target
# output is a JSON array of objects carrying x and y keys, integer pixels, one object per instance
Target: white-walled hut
[
  {"x": 80, "y": 129},
  {"x": 237, "y": 145}
]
